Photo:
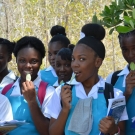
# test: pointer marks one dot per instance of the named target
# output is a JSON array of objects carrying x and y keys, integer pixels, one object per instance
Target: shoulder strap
[
  {"x": 115, "y": 77},
  {"x": 6, "y": 88},
  {"x": 42, "y": 91},
  {"x": 108, "y": 92}
]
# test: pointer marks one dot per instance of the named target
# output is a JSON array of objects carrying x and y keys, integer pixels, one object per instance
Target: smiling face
[
  {"x": 85, "y": 63},
  {"x": 4, "y": 58},
  {"x": 63, "y": 69},
  {"x": 128, "y": 48},
  {"x": 53, "y": 49},
  {"x": 28, "y": 61}
]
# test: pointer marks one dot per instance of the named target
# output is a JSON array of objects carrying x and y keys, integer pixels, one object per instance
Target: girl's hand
[
  {"x": 130, "y": 83},
  {"x": 28, "y": 91},
  {"x": 66, "y": 97},
  {"x": 107, "y": 126}
]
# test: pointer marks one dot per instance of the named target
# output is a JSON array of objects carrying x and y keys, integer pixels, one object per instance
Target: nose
[
  {"x": 52, "y": 57},
  {"x": 131, "y": 53},
  {"x": 62, "y": 68},
  {"x": 74, "y": 64},
  {"x": 28, "y": 65}
]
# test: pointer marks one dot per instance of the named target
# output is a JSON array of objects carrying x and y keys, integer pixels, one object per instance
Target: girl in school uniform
[
  {"x": 82, "y": 109},
  {"x": 24, "y": 95},
  {"x": 6, "y": 76},
  {"x": 58, "y": 41},
  {"x": 63, "y": 65},
  {"x": 125, "y": 79}
]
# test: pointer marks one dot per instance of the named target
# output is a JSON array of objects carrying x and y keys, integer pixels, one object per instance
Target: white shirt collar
[
  {"x": 56, "y": 84},
  {"x": 11, "y": 75},
  {"x": 16, "y": 90},
  {"x": 50, "y": 68},
  {"x": 125, "y": 71},
  {"x": 80, "y": 92}
]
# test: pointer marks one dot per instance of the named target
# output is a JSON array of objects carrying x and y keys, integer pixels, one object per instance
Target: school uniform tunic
[
  {"x": 48, "y": 75},
  {"x": 99, "y": 109},
  {"x": 120, "y": 84},
  {"x": 21, "y": 109},
  {"x": 9, "y": 78},
  {"x": 5, "y": 109}
]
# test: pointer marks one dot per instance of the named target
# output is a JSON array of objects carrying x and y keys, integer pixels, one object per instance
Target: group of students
[{"x": 66, "y": 97}]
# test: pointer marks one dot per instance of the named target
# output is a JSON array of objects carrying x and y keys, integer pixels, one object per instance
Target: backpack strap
[
  {"x": 42, "y": 91},
  {"x": 6, "y": 88},
  {"x": 115, "y": 77},
  {"x": 108, "y": 92}
]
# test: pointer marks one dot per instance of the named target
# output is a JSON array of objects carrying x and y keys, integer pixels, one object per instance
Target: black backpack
[{"x": 115, "y": 77}]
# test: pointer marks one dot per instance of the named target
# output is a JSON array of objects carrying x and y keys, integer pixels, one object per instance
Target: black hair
[
  {"x": 59, "y": 35},
  {"x": 94, "y": 33},
  {"x": 57, "y": 29},
  {"x": 29, "y": 41},
  {"x": 66, "y": 53},
  {"x": 8, "y": 44},
  {"x": 123, "y": 35}
]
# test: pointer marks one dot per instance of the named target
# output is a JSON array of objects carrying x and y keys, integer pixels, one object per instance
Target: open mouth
[
  {"x": 28, "y": 72},
  {"x": 77, "y": 73}
]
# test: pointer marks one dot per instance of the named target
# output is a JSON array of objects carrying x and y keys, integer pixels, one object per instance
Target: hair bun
[
  {"x": 94, "y": 30},
  {"x": 57, "y": 29},
  {"x": 71, "y": 46}
]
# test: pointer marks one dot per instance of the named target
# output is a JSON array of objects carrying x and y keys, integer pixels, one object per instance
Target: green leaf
[
  {"x": 127, "y": 19},
  {"x": 132, "y": 66},
  {"x": 133, "y": 13},
  {"x": 123, "y": 29},
  {"x": 61, "y": 82},
  {"x": 94, "y": 19},
  {"x": 111, "y": 31},
  {"x": 130, "y": 7},
  {"x": 132, "y": 24}
]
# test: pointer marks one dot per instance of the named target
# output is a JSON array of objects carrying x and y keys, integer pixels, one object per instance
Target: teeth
[{"x": 27, "y": 72}]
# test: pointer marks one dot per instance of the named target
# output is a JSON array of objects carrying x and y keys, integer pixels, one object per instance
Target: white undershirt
[{"x": 5, "y": 109}]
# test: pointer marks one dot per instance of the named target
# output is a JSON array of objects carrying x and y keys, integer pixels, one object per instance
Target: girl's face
[
  {"x": 4, "y": 58},
  {"x": 128, "y": 48},
  {"x": 53, "y": 49},
  {"x": 85, "y": 63},
  {"x": 28, "y": 61},
  {"x": 63, "y": 69}
]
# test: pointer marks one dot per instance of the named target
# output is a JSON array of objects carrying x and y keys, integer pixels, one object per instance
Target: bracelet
[{"x": 118, "y": 132}]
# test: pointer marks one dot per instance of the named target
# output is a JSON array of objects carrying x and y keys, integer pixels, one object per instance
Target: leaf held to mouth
[
  {"x": 73, "y": 76},
  {"x": 132, "y": 66},
  {"x": 61, "y": 82},
  {"x": 28, "y": 77}
]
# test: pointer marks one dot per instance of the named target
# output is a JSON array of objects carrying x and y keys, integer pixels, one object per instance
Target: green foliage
[{"x": 119, "y": 16}]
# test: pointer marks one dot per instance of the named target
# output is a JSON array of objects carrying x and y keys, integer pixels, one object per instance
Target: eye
[
  {"x": 34, "y": 61},
  {"x": 82, "y": 59},
  {"x": 22, "y": 61},
  {"x": 72, "y": 59},
  {"x": 57, "y": 65},
  {"x": 67, "y": 65},
  {"x": 49, "y": 54},
  {"x": 55, "y": 53}
]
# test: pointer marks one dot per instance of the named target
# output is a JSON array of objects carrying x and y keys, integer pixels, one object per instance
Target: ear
[
  {"x": 9, "y": 57},
  {"x": 98, "y": 62}
]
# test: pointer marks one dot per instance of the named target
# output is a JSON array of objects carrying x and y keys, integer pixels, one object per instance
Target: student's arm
[
  {"x": 130, "y": 84},
  {"x": 107, "y": 126},
  {"x": 122, "y": 127},
  {"x": 40, "y": 121},
  {"x": 57, "y": 125}
]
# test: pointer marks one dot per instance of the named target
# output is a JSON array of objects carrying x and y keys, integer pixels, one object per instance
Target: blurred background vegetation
[{"x": 36, "y": 17}]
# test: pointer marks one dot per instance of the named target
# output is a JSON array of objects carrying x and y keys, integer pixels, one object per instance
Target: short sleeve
[
  {"x": 54, "y": 107},
  {"x": 5, "y": 109},
  {"x": 49, "y": 93},
  {"x": 119, "y": 93},
  {"x": 108, "y": 79}
]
